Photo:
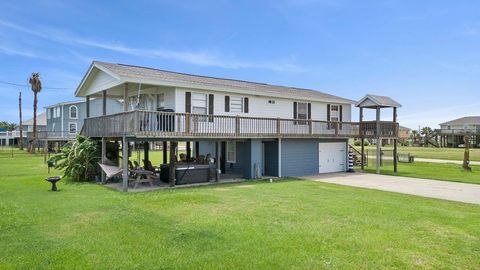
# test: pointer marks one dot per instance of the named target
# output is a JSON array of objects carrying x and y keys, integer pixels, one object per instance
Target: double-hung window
[
  {"x": 236, "y": 104},
  {"x": 334, "y": 113},
  {"x": 199, "y": 103},
  {"x": 302, "y": 112},
  {"x": 72, "y": 128}
]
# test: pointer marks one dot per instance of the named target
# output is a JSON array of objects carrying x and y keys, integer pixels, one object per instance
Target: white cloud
[{"x": 191, "y": 57}]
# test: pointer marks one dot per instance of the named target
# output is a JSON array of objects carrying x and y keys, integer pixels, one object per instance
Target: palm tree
[
  {"x": 36, "y": 84},
  {"x": 414, "y": 136}
]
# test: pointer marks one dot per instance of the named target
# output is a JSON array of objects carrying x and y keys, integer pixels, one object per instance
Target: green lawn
[
  {"x": 437, "y": 171},
  {"x": 288, "y": 224},
  {"x": 434, "y": 153}
]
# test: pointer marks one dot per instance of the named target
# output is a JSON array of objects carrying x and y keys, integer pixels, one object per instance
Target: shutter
[
  {"x": 309, "y": 111},
  {"x": 340, "y": 112},
  {"x": 227, "y": 103},
  {"x": 210, "y": 104},
  {"x": 210, "y": 107},
  {"x": 188, "y": 102},
  {"x": 245, "y": 105},
  {"x": 294, "y": 112},
  {"x": 328, "y": 112},
  {"x": 340, "y": 108},
  {"x": 328, "y": 116}
]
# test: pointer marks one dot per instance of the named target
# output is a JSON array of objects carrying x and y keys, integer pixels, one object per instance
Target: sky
[{"x": 424, "y": 54}]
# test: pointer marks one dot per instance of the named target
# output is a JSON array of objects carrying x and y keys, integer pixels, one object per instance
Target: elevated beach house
[
  {"x": 242, "y": 129},
  {"x": 452, "y": 133}
]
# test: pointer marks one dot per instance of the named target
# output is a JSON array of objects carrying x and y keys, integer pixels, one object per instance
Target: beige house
[{"x": 452, "y": 132}]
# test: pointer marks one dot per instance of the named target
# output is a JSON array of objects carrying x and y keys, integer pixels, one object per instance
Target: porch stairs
[
  {"x": 357, "y": 156},
  {"x": 432, "y": 138}
]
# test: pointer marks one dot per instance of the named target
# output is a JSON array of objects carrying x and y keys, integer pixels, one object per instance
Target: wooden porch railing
[{"x": 185, "y": 125}]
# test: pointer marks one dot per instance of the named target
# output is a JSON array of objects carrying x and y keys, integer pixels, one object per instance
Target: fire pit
[{"x": 53, "y": 180}]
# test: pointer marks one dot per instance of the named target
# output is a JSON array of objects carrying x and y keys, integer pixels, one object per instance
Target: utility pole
[{"x": 20, "y": 141}]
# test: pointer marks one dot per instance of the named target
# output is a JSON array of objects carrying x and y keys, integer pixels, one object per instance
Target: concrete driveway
[{"x": 460, "y": 192}]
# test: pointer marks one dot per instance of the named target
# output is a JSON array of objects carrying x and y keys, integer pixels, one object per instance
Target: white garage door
[{"x": 331, "y": 157}]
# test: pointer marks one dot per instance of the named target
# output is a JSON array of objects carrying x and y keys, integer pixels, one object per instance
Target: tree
[
  {"x": 36, "y": 85},
  {"x": 425, "y": 131},
  {"x": 78, "y": 159},
  {"x": 8, "y": 126},
  {"x": 20, "y": 141},
  {"x": 414, "y": 136}
]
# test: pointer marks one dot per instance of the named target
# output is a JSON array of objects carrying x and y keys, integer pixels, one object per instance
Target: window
[
  {"x": 236, "y": 104},
  {"x": 57, "y": 112},
  {"x": 334, "y": 113},
  {"x": 231, "y": 152},
  {"x": 73, "y": 112},
  {"x": 72, "y": 128},
  {"x": 271, "y": 101},
  {"x": 449, "y": 127},
  {"x": 199, "y": 103},
  {"x": 302, "y": 110},
  {"x": 49, "y": 112},
  {"x": 160, "y": 101}
]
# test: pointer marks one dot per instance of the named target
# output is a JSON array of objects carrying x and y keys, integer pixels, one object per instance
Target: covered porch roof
[{"x": 375, "y": 101}]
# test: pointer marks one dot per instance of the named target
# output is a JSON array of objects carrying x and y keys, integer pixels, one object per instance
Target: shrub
[{"x": 78, "y": 159}]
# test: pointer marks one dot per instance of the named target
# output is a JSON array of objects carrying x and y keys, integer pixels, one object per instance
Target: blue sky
[{"x": 425, "y": 54}]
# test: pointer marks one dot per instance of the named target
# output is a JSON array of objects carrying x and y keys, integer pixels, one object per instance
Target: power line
[{"x": 25, "y": 85}]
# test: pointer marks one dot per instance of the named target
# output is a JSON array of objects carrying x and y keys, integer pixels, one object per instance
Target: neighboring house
[
  {"x": 27, "y": 127},
  {"x": 403, "y": 136},
  {"x": 452, "y": 133},
  {"x": 65, "y": 119},
  {"x": 249, "y": 129}
]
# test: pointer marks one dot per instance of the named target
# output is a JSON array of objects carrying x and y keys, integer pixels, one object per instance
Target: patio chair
[{"x": 149, "y": 167}]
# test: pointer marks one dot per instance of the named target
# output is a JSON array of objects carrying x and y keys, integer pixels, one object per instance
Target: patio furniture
[
  {"x": 141, "y": 176},
  {"x": 149, "y": 167},
  {"x": 53, "y": 180}
]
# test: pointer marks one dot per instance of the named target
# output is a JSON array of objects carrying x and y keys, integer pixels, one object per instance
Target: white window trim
[
  {"x": 76, "y": 128},
  {"x": 234, "y": 160},
  {"x": 335, "y": 114},
  {"x": 70, "y": 112},
  {"x": 206, "y": 102},
  {"x": 306, "y": 110}
]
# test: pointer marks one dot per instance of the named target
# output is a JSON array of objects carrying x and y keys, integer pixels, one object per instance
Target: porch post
[
  {"x": 164, "y": 152},
  {"x": 104, "y": 153},
  {"x": 395, "y": 158},
  {"x": 189, "y": 150},
  {"x": 146, "y": 151},
  {"x": 378, "y": 159},
  {"x": 104, "y": 102},
  {"x": 87, "y": 103},
  {"x": 362, "y": 140},
  {"x": 218, "y": 147},
  {"x": 125, "y": 163},
  {"x": 279, "y": 157},
  {"x": 173, "y": 146}
]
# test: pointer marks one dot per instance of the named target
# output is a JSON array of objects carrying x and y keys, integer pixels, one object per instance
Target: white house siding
[
  {"x": 99, "y": 82},
  {"x": 259, "y": 106}
]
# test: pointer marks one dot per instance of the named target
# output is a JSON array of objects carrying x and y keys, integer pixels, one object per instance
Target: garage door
[{"x": 331, "y": 157}]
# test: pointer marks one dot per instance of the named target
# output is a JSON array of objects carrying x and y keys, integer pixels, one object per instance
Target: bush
[
  {"x": 78, "y": 159},
  {"x": 359, "y": 143}
]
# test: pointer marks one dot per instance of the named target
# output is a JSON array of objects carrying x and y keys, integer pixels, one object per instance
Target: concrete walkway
[
  {"x": 431, "y": 160},
  {"x": 460, "y": 192}
]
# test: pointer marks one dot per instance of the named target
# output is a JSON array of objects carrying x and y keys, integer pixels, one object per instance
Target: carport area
[{"x": 452, "y": 191}]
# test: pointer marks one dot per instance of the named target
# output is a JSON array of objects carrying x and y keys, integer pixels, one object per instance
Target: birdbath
[{"x": 53, "y": 180}]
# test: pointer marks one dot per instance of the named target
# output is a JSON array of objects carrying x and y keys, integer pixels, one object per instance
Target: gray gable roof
[
  {"x": 129, "y": 73},
  {"x": 375, "y": 100},
  {"x": 41, "y": 120},
  {"x": 468, "y": 120}
]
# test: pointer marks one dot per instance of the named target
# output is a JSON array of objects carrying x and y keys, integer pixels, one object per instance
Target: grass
[
  {"x": 288, "y": 224},
  {"x": 437, "y": 171},
  {"x": 433, "y": 153}
]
